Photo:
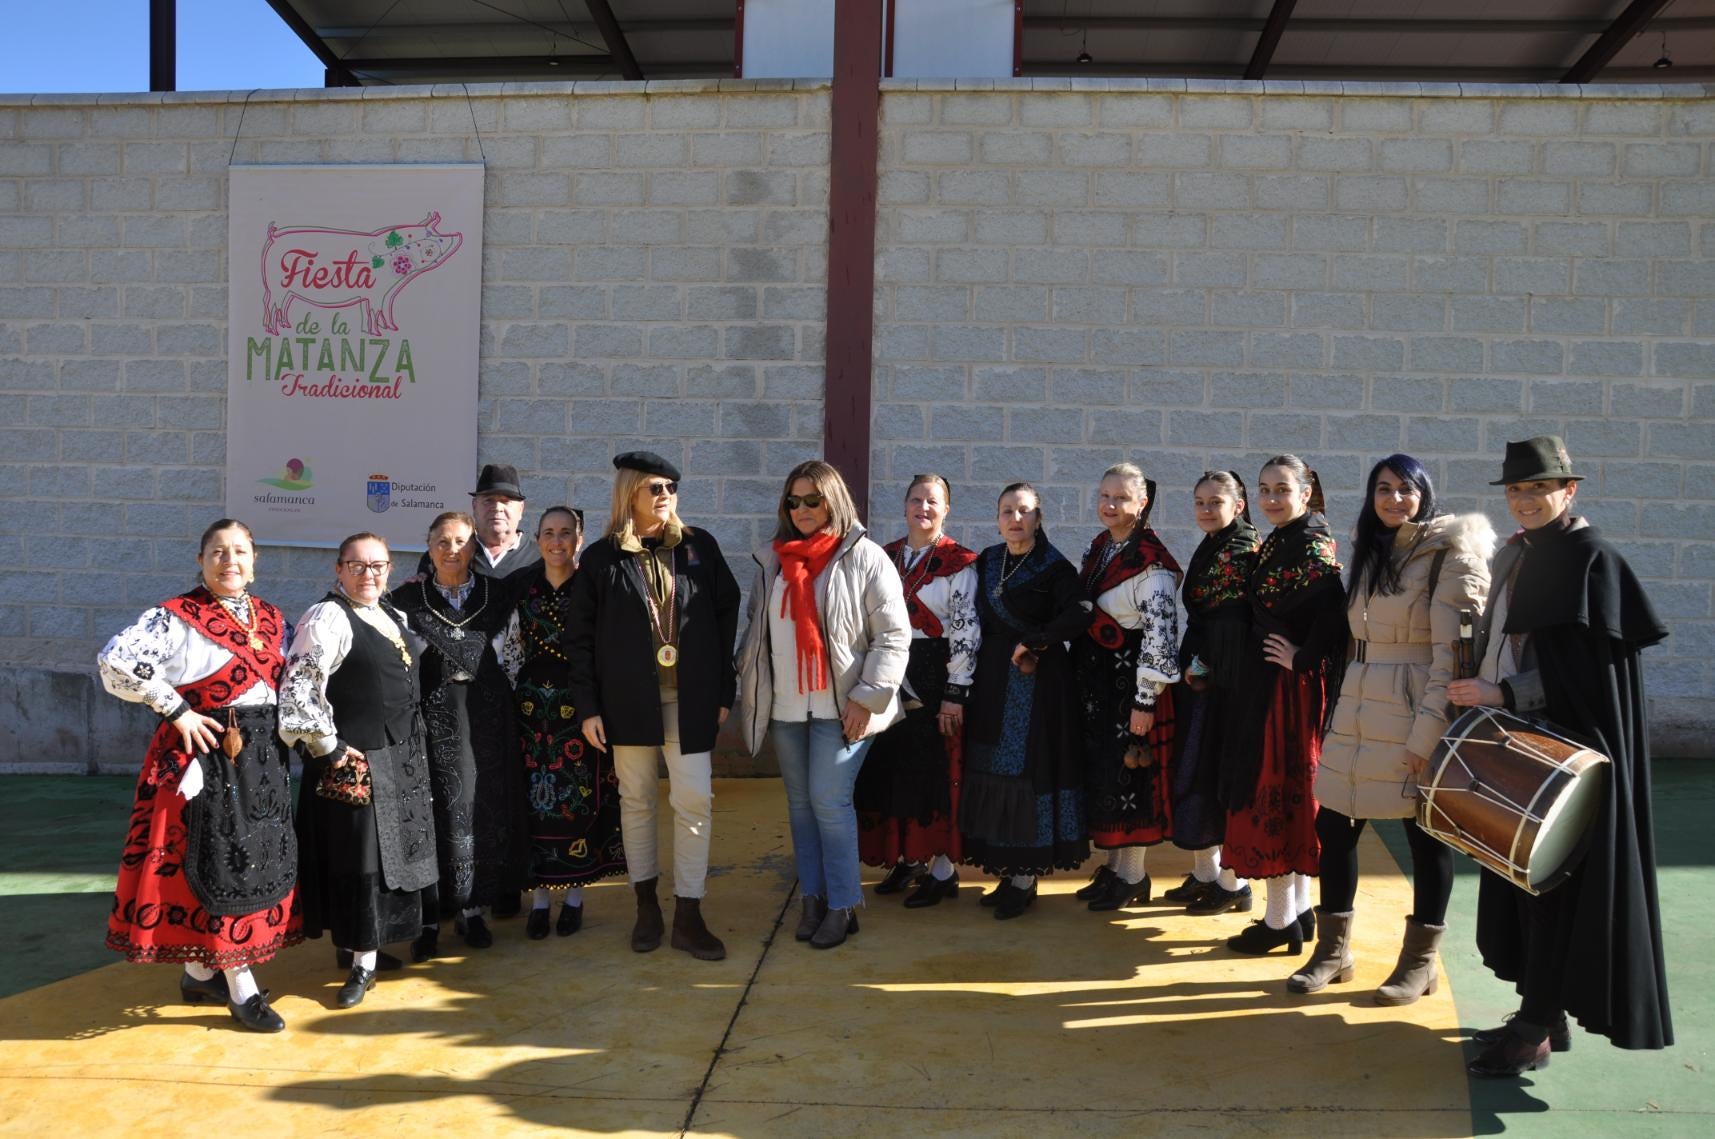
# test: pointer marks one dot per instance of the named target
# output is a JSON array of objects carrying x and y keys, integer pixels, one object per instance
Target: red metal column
[{"x": 851, "y": 242}]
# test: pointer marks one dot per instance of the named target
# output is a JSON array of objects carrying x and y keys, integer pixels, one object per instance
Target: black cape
[{"x": 1587, "y": 619}]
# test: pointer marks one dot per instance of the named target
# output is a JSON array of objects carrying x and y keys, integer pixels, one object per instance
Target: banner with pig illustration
[{"x": 354, "y": 302}]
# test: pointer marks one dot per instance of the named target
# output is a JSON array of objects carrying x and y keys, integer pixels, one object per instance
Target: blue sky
[{"x": 103, "y": 45}]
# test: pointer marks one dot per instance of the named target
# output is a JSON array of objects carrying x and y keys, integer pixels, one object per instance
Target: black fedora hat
[
  {"x": 1539, "y": 457},
  {"x": 498, "y": 478}
]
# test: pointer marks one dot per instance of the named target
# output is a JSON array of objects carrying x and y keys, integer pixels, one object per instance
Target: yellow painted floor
[{"x": 939, "y": 1021}]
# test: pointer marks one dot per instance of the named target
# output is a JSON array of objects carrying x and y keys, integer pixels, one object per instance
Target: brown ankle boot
[
  {"x": 646, "y": 934},
  {"x": 1414, "y": 975},
  {"x": 1331, "y": 961},
  {"x": 691, "y": 935}
]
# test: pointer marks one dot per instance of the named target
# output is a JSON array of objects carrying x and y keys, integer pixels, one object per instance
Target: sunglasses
[
  {"x": 657, "y": 489},
  {"x": 794, "y": 501}
]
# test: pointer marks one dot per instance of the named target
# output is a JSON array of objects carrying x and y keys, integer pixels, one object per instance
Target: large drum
[{"x": 1514, "y": 794}]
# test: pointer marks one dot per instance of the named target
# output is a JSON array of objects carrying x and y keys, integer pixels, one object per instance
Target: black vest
[{"x": 372, "y": 691}]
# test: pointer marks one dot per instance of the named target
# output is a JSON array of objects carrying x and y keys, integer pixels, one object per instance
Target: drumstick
[{"x": 1465, "y": 648}]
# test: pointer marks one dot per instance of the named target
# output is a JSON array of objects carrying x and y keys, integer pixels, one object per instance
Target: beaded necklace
[
  {"x": 241, "y": 605},
  {"x": 455, "y": 629},
  {"x": 1022, "y": 558}
]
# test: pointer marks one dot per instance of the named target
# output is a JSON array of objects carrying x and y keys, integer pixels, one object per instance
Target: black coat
[
  {"x": 612, "y": 646},
  {"x": 1586, "y": 618}
]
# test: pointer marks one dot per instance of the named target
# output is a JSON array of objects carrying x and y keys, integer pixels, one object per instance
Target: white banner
[{"x": 354, "y": 307}]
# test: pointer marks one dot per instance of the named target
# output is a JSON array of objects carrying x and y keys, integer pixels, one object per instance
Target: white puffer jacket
[
  {"x": 1394, "y": 696},
  {"x": 861, "y": 606}
]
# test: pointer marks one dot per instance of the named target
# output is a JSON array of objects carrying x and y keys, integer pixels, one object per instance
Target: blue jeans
[{"x": 820, "y": 769}]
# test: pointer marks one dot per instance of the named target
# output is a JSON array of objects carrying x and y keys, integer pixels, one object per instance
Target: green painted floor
[{"x": 63, "y": 833}]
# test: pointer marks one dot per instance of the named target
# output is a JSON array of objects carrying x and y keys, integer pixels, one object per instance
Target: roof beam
[
  {"x": 495, "y": 64},
  {"x": 1270, "y": 38},
  {"x": 567, "y": 29},
  {"x": 614, "y": 37},
  {"x": 338, "y": 75},
  {"x": 1626, "y": 25},
  {"x": 163, "y": 46},
  {"x": 1326, "y": 25}
]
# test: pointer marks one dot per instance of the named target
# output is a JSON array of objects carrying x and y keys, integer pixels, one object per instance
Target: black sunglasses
[
  {"x": 656, "y": 489},
  {"x": 794, "y": 501}
]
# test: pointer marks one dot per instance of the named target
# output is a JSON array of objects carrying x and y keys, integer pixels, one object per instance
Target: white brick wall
[
  {"x": 1187, "y": 274},
  {"x": 1200, "y": 275}
]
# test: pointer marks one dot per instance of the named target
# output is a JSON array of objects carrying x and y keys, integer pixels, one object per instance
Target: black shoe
[
  {"x": 571, "y": 919},
  {"x": 1013, "y": 901},
  {"x": 255, "y": 1014},
  {"x": 508, "y": 905},
  {"x": 1258, "y": 938},
  {"x": 1097, "y": 885},
  {"x": 991, "y": 898},
  {"x": 1186, "y": 892},
  {"x": 1307, "y": 924},
  {"x": 426, "y": 944},
  {"x": 900, "y": 878},
  {"x": 356, "y": 985},
  {"x": 1559, "y": 1034},
  {"x": 475, "y": 931},
  {"x": 932, "y": 890},
  {"x": 536, "y": 925},
  {"x": 1120, "y": 894},
  {"x": 837, "y": 925},
  {"x": 385, "y": 962},
  {"x": 1215, "y": 899},
  {"x": 1509, "y": 1057},
  {"x": 211, "y": 991}
]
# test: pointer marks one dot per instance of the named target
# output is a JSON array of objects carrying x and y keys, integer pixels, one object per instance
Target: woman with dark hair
[
  {"x": 907, "y": 793},
  {"x": 1286, "y": 681},
  {"x": 1021, "y": 813},
  {"x": 366, "y": 825},
  {"x": 654, "y": 612},
  {"x": 574, "y": 832},
  {"x": 1413, "y": 570},
  {"x": 471, "y": 652},
  {"x": 1217, "y": 638},
  {"x": 210, "y": 862},
  {"x": 1126, "y": 667},
  {"x": 821, "y": 669}
]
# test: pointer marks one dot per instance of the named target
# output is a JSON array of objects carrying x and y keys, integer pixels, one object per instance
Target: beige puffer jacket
[{"x": 1394, "y": 696}]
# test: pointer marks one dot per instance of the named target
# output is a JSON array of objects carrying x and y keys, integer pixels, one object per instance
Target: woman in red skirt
[
  {"x": 1286, "y": 686},
  {"x": 210, "y": 865}
]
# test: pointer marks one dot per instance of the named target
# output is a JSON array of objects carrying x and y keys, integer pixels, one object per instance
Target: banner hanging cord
[
  {"x": 478, "y": 130},
  {"x": 240, "y": 129}
]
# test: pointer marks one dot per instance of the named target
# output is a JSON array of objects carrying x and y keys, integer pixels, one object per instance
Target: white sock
[
  {"x": 1230, "y": 882},
  {"x": 197, "y": 971},
  {"x": 941, "y": 868},
  {"x": 431, "y": 925},
  {"x": 1023, "y": 881},
  {"x": 1206, "y": 864},
  {"x": 241, "y": 983},
  {"x": 365, "y": 959},
  {"x": 472, "y": 911},
  {"x": 539, "y": 898},
  {"x": 1301, "y": 890},
  {"x": 574, "y": 897},
  {"x": 1282, "y": 896},
  {"x": 1131, "y": 864}
]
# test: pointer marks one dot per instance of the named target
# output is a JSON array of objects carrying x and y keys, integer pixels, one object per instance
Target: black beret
[{"x": 648, "y": 462}]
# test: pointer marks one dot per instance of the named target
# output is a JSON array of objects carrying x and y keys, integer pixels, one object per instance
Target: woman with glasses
[
  {"x": 470, "y": 655},
  {"x": 366, "y": 825},
  {"x": 907, "y": 794},
  {"x": 574, "y": 794},
  {"x": 210, "y": 860},
  {"x": 821, "y": 667},
  {"x": 1021, "y": 813},
  {"x": 652, "y": 618},
  {"x": 1413, "y": 569}
]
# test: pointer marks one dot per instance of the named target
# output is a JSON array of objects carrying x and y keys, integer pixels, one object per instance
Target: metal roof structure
[{"x": 367, "y": 42}]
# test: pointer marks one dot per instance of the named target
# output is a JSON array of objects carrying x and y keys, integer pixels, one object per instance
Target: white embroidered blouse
[
  {"x": 145, "y": 663},
  {"x": 953, "y": 601},
  {"x": 1147, "y": 601}
]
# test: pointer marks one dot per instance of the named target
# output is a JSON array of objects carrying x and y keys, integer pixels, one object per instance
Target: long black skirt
[
  {"x": 478, "y": 783},
  {"x": 339, "y": 874}
]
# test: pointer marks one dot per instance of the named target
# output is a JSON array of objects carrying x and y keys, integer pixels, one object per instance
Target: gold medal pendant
[
  {"x": 257, "y": 643},
  {"x": 667, "y": 656}
]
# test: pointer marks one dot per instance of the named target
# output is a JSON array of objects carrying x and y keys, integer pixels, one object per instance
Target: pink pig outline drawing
[{"x": 349, "y": 280}]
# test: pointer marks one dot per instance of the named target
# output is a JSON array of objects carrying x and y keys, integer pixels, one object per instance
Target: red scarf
[{"x": 802, "y": 561}]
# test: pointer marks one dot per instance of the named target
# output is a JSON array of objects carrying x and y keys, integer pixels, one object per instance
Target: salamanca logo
[
  {"x": 382, "y": 489},
  {"x": 296, "y": 475},
  {"x": 380, "y": 495}
]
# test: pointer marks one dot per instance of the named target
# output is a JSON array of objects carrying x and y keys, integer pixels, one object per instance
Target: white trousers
[{"x": 690, "y": 792}]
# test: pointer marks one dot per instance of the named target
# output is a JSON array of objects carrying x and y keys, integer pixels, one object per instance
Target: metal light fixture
[
  {"x": 1666, "y": 61},
  {"x": 1084, "y": 56}
]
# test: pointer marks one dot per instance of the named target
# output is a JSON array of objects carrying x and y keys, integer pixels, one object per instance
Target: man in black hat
[
  {"x": 1561, "y": 640},
  {"x": 497, "y": 504}
]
